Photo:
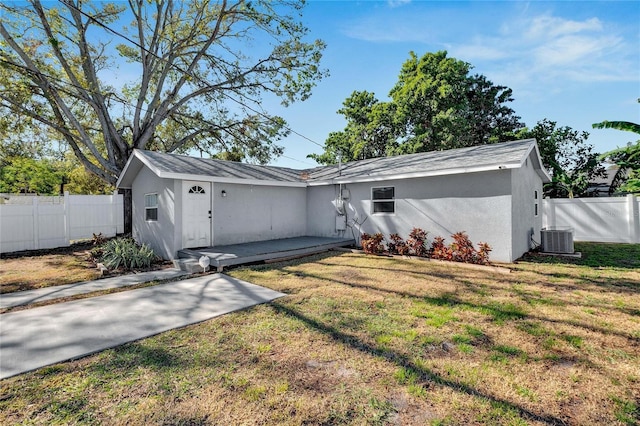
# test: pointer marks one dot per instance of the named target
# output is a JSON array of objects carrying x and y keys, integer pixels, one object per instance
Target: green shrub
[{"x": 125, "y": 253}]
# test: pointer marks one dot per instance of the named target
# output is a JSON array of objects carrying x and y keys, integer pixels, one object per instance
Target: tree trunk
[{"x": 128, "y": 209}]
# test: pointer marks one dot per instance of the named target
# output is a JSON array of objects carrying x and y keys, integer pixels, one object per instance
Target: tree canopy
[
  {"x": 568, "y": 157},
  {"x": 436, "y": 104},
  {"x": 627, "y": 177},
  {"x": 194, "y": 81}
]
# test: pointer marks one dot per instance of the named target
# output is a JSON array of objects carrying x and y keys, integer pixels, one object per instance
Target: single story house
[{"x": 492, "y": 192}]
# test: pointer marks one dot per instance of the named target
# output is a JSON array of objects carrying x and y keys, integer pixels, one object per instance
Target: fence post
[
  {"x": 67, "y": 217},
  {"x": 36, "y": 223},
  {"x": 633, "y": 219},
  {"x": 549, "y": 209}
]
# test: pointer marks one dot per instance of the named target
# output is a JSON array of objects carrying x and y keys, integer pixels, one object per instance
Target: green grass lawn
[{"x": 376, "y": 340}]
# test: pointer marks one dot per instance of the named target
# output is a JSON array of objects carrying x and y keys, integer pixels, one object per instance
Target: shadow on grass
[
  {"x": 403, "y": 361},
  {"x": 138, "y": 354},
  {"x": 603, "y": 255},
  {"x": 498, "y": 311}
]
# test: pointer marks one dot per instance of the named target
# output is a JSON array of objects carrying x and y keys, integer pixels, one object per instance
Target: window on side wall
[
  {"x": 151, "y": 207},
  {"x": 535, "y": 205},
  {"x": 383, "y": 200}
]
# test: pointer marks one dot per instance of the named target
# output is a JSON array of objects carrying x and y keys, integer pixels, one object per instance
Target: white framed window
[
  {"x": 535, "y": 204},
  {"x": 383, "y": 200},
  {"x": 151, "y": 207}
]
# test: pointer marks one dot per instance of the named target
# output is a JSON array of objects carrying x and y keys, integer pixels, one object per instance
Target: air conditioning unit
[{"x": 557, "y": 240}]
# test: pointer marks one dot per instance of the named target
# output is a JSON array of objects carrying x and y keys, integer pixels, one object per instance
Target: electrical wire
[{"x": 180, "y": 69}]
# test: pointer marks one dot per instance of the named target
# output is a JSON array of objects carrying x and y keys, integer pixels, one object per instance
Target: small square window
[
  {"x": 151, "y": 207},
  {"x": 383, "y": 199}
]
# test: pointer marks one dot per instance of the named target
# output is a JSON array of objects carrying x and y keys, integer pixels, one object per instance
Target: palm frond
[{"x": 618, "y": 125}]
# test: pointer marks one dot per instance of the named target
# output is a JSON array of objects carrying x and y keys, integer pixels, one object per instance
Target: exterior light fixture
[{"x": 223, "y": 193}]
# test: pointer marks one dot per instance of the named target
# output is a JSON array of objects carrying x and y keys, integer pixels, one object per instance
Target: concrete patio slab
[
  {"x": 47, "y": 335},
  {"x": 257, "y": 251},
  {"x": 19, "y": 298}
]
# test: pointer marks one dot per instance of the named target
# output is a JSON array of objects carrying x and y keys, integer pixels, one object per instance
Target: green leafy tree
[
  {"x": 30, "y": 176},
  {"x": 79, "y": 181},
  {"x": 568, "y": 157},
  {"x": 430, "y": 98},
  {"x": 197, "y": 80},
  {"x": 436, "y": 104},
  {"x": 627, "y": 177},
  {"x": 370, "y": 131}
]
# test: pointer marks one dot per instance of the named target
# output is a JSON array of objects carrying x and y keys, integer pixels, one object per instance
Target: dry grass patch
[
  {"x": 46, "y": 270},
  {"x": 370, "y": 340}
]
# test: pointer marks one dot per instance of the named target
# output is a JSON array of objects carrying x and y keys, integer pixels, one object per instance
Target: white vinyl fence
[
  {"x": 606, "y": 219},
  {"x": 39, "y": 222}
]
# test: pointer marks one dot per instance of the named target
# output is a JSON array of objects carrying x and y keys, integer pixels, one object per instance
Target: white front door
[{"x": 196, "y": 214}]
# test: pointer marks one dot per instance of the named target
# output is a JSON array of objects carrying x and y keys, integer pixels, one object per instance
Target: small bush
[
  {"x": 439, "y": 250},
  {"x": 98, "y": 239},
  {"x": 372, "y": 244},
  {"x": 483, "y": 253},
  {"x": 397, "y": 245},
  {"x": 417, "y": 242},
  {"x": 460, "y": 250},
  {"x": 125, "y": 253}
]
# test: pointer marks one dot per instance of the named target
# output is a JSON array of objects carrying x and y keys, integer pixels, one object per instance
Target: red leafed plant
[
  {"x": 397, "y": 245},
  {"x": 417, "y": 242},
  {"x": 372, "y": 244},
  {"x": 483, "y": 253},
  {"x": 439, "y": 250},
  {"x": 460, "y": 250}
]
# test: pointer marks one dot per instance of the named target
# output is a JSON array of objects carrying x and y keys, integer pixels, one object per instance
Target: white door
[{"x": 196, "y": 214}]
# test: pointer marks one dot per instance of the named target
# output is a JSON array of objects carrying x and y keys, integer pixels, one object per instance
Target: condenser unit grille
[{"x": 557, "y": 240}]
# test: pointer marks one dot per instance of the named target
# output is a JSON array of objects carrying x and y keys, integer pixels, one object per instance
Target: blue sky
[{"x": 576, "y": 63}]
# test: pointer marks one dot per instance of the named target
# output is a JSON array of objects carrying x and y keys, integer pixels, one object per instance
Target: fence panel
[
  {"x": 33, "y": 222},
  {"x": 606, "y": 219},
  {"x": 93, "y": 214},
  {"x": 16, "y": 227}
]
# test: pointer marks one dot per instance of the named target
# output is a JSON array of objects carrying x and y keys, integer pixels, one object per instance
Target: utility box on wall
[{"x": 341, "y": 222}]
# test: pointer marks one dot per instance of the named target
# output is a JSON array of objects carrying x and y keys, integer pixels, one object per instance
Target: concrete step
[{"x": 189, "y": 265}]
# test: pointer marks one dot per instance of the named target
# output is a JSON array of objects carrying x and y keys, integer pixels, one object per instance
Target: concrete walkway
[
  {"x": 19, "y": 298},
  {"x": 37, "y": 337}
]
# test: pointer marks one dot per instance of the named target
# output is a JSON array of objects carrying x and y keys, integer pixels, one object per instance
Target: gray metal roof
[
  {"x": 463, "y": 160},
  {"x": 183, "y": 164}
]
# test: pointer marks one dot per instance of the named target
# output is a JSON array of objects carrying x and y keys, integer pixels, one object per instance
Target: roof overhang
[
  {"x": 138, "y": 160},
  {"x": 539, "y": 167}
]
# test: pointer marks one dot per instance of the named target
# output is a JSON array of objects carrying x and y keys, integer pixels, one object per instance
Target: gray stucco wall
[
  {"x": 160, "y": 234},
  {"x": 257, "y": 213},
  {"x": 525, "y": 183},
  {"x": 477, "y": 203}
]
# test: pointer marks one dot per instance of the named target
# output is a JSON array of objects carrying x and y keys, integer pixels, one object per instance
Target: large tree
[
  {"x": 568, "y": 157},
  {"x": 370, "y": 130},
  {"x": 627, "y": 177},
  {"x": 199, "y": 70},
  {"x": 436, "y": 104}
]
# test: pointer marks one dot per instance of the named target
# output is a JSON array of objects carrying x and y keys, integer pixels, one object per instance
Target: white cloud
[
  {"x": 387, "y": 30},
  {"x": 397, "y": 3},
  {"x": 551, "y": 49},
  {"x": 550, "y": 27}
]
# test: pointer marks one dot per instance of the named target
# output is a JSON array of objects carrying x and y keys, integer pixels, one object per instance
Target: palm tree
[{"x": 627, "y": 158}]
